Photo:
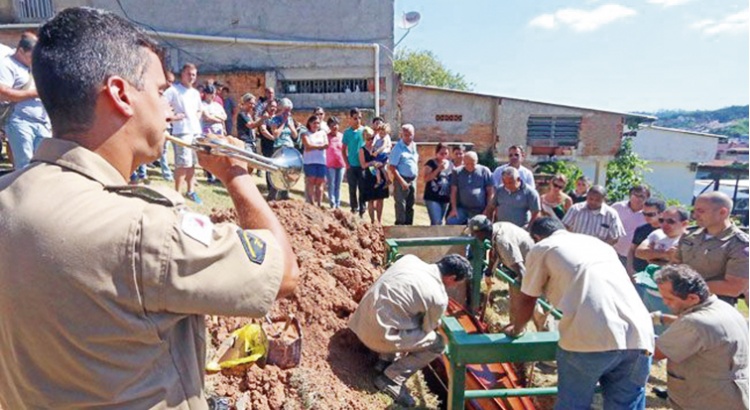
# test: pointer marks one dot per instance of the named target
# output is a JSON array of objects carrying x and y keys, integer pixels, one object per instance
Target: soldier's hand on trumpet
[{"x": 222, "y": 166}]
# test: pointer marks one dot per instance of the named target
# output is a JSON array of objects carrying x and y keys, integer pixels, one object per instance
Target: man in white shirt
[
  {"x": 606, "y": 335},
  {"x": 186, "y": 125},
  {"x": 630, "y": 212},
  {"x": 399, "y": 315},
  {"x": 28, "y": 124},
  {"x": 516, "y": 156}
]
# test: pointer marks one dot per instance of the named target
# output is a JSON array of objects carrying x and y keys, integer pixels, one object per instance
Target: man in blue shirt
[
  {"x": 353, "y": 142},
  {"x": 404, "y": 162}
]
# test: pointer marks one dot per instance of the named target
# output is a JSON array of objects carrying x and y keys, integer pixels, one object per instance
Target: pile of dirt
[{"x": 340, "y": 258}]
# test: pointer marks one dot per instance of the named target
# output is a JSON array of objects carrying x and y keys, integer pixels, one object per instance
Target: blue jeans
[
  {"x": 140, "y": 173},
  {"x": 335, "y": 178},
  {"x": 24, "y": 138},
  {"x": 166, "y": 172},
  {"x": 436, "y": 211},
  {"x": 462, "y": 216},
  {"x": 622, "y": 375}
]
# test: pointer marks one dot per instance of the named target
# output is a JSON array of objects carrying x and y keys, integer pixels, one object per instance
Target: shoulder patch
[
  {"x": 255, "y": 248},
  {"x": 154, "y": 196}
]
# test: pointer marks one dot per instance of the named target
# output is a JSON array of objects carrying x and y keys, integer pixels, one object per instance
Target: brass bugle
[
  {"x": 285, "y": 168},
  {"x": 215, "y": 146}
]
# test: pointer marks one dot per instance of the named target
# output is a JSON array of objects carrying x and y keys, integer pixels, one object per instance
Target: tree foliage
[
  {"x": 624, "y": 172},
  {"x": 423, "y": 67}
]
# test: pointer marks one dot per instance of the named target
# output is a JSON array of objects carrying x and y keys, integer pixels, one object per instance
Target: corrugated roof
[{"x": 626, "y": 114}]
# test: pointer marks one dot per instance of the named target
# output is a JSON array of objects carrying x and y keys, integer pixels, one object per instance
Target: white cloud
[
  {"x": 582, "y": 20},
  {"x": 733, "y": 23},
  {"x": 668, "y": 3}
]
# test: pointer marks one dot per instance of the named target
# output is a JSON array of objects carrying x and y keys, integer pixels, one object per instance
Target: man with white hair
[
  {"x": 471, "y": 190},
  {"x": 404, "y": 165},
  {"x": 718, "y": 250},
  {"x": 514, "y": 201}
]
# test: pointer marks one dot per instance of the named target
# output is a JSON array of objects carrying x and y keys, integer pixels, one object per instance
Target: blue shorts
[{"x": 315, "y": 171}]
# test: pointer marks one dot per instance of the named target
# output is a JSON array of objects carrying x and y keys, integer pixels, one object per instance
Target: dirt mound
[{"x": 339, "y": 259}]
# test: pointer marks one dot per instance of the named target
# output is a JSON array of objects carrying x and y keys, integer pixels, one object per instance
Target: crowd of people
[{"x": 108, "y": 283}]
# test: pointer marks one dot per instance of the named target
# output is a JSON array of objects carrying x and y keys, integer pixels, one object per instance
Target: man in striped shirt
[{"x": 595, "y": 218}]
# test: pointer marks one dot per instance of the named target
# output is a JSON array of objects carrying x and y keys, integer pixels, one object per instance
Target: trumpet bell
[{"x": 290, "y": 164}]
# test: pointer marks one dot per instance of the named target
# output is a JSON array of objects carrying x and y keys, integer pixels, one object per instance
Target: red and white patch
[{"x": 198, "y": 227}]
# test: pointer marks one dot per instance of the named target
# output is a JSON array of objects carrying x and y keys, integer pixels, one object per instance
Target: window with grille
[
  {"x": 349, "y": 85},
  {"x": 553, "y": 131},
  {"x": 31, "y": 11}
]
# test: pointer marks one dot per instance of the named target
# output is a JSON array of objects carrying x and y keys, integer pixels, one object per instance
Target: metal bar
[
  {"x": 527, "y": 391},
  {"x": 433, "y": 241},
  {"x": 543, "y": 303},
  {"x": 478, "y": 255},
  {"x": 482, "y": 348},
  {"x": 457, "y": 391}
]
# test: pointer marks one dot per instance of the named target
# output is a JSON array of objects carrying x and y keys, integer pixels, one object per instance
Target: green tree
[
  {"x": 423, "y": 67},
  {"x": 624, "y": 172}
]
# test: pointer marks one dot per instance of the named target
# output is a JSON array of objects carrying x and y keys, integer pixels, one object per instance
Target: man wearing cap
[
  {"x": 399, "y": 315},
  {"x": 510, "y": 243}
]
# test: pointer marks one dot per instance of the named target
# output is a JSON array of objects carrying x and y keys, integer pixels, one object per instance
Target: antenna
[{"x": 407, "y": 22}]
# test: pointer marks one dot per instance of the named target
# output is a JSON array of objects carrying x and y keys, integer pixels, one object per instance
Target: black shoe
[
  {"x": 398, "y": 393},
  {"x": 660, "y": 392},
  {"x": 381, "y": 365}
]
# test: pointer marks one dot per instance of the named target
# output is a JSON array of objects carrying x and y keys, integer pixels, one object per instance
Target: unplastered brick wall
[
  {"x": 239, "y": 82},
  {"x": 600, "y": 134}
]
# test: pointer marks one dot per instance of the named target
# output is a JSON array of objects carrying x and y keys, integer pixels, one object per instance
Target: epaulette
[{"x": 154, "y": 195}]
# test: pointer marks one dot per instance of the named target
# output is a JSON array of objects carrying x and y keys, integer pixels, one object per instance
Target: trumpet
[{"x": 284, "y": 168}]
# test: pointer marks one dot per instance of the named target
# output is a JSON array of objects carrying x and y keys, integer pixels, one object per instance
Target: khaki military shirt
[
  {"x": 511, "y": 243},
  {"x": 707, "y": 352},
  {"x": 402, "y": 309},
  {"x": 104, "y": 286},
  {"x": 715, "y": 257}
]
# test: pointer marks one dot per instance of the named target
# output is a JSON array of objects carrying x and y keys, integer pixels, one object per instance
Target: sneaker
[
  {"x": 169, "y": 178},
  {"x": 193, "y": 196},
  {"x": 398, "y": 393}
]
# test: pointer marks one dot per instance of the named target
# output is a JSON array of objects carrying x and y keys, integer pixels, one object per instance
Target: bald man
[{"x": 718, "y": 249}]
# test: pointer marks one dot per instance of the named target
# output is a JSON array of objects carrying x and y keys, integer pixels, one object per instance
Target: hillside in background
[{"x": 730, "y": 121}]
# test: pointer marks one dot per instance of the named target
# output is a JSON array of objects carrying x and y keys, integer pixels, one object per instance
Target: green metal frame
[
  {"x": 478, "y": 252},
  {"x": 464, "y": 349}
]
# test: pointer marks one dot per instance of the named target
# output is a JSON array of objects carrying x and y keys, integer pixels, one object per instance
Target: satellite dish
[{"x": 409, "y": 20}]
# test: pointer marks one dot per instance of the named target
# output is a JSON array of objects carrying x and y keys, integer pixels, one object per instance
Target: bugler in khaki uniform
[{"x": 129, "y": 273}]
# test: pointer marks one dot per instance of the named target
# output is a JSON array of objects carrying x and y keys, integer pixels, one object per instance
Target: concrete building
[
  {"x": 331, "y": 53},
  {"x": 588, "y": 137},
  {"x": 673, "y": 156}
]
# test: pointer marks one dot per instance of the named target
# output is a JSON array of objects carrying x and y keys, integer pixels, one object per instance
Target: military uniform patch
[{"x": 255, "y": 248}]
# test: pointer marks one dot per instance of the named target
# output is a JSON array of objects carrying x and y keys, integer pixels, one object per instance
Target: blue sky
[{"x": 637, "y": 55}]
